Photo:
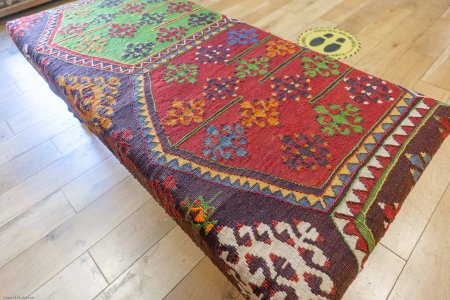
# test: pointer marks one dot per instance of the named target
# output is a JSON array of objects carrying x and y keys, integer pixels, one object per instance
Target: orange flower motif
[
  {"x": 198, "y": 212},
  {"x": 208, "y": 228},
  {"x": 200, "y": 215},
  {"x": 280, "y": 48},
  {"x": 185, "y": 112},
  {"x": 260, "y": 113}
]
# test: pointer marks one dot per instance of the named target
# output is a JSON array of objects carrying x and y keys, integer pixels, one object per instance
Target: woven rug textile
[{"x": 285, "y": 166}]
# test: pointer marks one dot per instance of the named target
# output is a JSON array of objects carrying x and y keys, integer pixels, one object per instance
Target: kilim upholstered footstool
[{"x": 285, "y": 166}]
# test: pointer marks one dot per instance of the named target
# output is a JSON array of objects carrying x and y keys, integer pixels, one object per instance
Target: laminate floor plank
[
  {"x": 427, "y": 272},
  {"x": 28, "y": 228},
  {"x": 130, "y": 240},
  {"x": 27, "y": 139},
  {"x": 214, "y": 285},
  {"x": 50, "y": 179},
  {"x": 44, "y": 259},
  {"x": 80, "y": 280},
  {"x": 151, "y": 277},
  {"x": 87, "y": 187},
  {"x": 27, "y": 164}
]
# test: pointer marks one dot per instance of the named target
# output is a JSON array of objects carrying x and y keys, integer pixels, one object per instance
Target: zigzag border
[
  {"x": 320, "y": 203},
  {"x": 44, "y": 46},
  {"x": 348, "y": 214}
]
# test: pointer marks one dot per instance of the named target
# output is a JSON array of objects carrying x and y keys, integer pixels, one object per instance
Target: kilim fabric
[{"x": 285, "y": 166}]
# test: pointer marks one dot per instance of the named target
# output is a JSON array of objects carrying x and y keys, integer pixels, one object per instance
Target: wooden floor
[{"x": 75, "y": 225}]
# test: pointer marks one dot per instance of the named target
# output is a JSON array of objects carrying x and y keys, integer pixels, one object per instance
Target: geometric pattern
[
  {"x": 321, "y": 202},
  {"x": 282, "y": 266},
  {"x": 349, "y": 214},
  {"x": 305, "y": 151},
  {"x": 418, "y": 164},
  {"x": 66, "y": 49},
  {"x": 285, "y": 166}
]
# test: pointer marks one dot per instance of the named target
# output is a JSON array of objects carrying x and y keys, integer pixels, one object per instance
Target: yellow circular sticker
[{"x": 330, "y": 41}]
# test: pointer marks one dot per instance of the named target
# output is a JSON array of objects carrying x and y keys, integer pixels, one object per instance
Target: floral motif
[
  {"x": 177, "y": 7},
  {"x": 73, "y": 28},
  {"x": 221, "y": 88},
  {"x": 225, "y": 143},
  {"x": 212, "y": 54},
  {"x": 291, "y": 87},
  {"x": 278, "y": 260},
  {"x": 181, "y": 73},
  {"x": 152, "y": 19},
  {"x": 124, "y": 30},
  {"x": 305, "y": 151},
  {"x": 279, "y": 47},
  {"x": 337, "y": 119},
  {"x": 133, "y": 8},
  {"x": 185, "y": 112},
  {"x": 260, "y": 113},
  {"x": 252, "y": 67},
  {"x": 139, "y": 50},
  {"x": 94, "y": 98},
  {"x": 320, "y": 65},
  {"x": 201, "y": 19},
  {"x": 198, "y": 213},
  {"x": 91, "y": 44},
  {"x": 242, "y": 36},
  {"x": 120, "y": 143},
  {"x": 17, "y": 28},
  {"x": 366, "y": 90},
  {"x": 171, "y": 34},
  {"x": 162, "y": 191},
  {"x": 104, "y": 18},
  {"x": 110, "y": 3}
]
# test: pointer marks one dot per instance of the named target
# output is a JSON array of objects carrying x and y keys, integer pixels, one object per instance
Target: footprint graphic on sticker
[
  {"x": 334, "y": 46},
  {"x": 330, "y": 41},
  {"x": 320, "y": 40}
]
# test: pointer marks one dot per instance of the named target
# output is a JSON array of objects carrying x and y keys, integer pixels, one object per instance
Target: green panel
[{"x": 95, "y": 38}]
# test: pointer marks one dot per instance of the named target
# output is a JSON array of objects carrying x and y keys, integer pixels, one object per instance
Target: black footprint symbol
[
  {"x": 320, "y": 40},
  {"x": 335, "y": 46}
]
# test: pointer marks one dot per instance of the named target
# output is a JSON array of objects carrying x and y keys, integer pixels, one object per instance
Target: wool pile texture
[{"x": 285, "y": 166}]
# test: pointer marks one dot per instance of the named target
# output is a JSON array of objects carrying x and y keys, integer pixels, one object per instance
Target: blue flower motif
[
  {"x": 226, "y": 143},
  {"x": 152, "y": 19},
  {"x": 104, "y": 18},
  {"x": 139, "y": 50},
  {"x": 201, "y": 19},
  {"x": 110, "y": 3},
  {"x": 242, "y": 36}
]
